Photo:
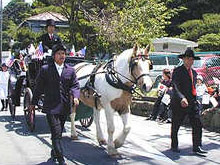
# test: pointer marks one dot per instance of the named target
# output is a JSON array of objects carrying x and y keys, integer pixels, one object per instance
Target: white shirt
[
  {"x": 4, "y": 77},
  {"x": 59, "y": 68},
  {"x": 201, "y": 89}
]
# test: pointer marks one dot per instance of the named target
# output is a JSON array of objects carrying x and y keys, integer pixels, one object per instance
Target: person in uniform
[
  {"x": 59, "y": 84},
  {"x": 4, "y": 77},
  {"x": 183, "y": 102},
  {"x": 49, "y": 39}
]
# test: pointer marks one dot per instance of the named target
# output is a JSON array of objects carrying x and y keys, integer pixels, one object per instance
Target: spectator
[
  {"x": 160, "y": 108},
  {"x": 4, "y": 77},
  {"x": 201, "y": 91}
]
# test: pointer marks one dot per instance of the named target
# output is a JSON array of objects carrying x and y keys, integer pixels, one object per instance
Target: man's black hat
[
  {"x": 50, "y": 22},
  {"x": 58, "y": 47},
  {"x": 189, "y": 53}
]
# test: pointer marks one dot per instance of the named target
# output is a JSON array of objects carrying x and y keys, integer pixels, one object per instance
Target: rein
[{"x": 116, "y": 82}]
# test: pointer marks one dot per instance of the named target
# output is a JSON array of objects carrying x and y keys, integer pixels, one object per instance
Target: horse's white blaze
[{"x": 113, "y": 99}]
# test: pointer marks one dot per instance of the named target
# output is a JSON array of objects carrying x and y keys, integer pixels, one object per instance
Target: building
[
  {"x": 172, "y": 45},
  {"x": 38, "y": 22}
]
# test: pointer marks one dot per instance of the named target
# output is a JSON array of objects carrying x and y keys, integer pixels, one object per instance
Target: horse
[{"x": 110, "y": 86}]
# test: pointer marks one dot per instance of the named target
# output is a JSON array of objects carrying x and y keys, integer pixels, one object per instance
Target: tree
[
  {"x": 209, "y": 42},
  {"x": 120, "y": 25},
  {"x": 205, "y": 30},
  {"x": 189, "y": 10},
  {"x": 13, "y": 14}
]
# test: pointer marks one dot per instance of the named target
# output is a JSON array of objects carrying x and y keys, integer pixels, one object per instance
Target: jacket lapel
[
  {"x": 55, "y": 72},
  {"x": 64, "y": 70}
]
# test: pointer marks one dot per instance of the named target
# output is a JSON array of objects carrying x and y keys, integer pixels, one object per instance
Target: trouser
[
  {"x": 195, "y": 122},
  {"x": 4, "y": 104},
  {"x": 156, "y": 108},
  {"x": 56, "y": 123}
]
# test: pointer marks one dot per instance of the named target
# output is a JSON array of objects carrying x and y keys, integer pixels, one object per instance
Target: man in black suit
[
  {"x": 49, "y": 39},
  {"x": 183, "y": 102},
  {"x": 59, "y": 84}
]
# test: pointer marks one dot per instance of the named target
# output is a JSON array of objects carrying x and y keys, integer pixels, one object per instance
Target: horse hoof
[
  {"x": 74, "y": 137},
  {"x": 102, "y": 142},
  {"x": 117, "y": 144},
  {"x": 115, "y": 155}
]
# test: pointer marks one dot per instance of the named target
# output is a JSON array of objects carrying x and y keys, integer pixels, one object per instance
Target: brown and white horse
[{"x": 114, "y": 82}]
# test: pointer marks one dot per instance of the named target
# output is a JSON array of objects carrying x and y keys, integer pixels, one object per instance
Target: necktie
[
  {"x": 193, "y": 87},
  {"x": 60, "y": 69},
  {"x": 51, "y": 36}
]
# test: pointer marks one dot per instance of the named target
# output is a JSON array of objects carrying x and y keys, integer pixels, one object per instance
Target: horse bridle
[{"x": 133, "y": 63}]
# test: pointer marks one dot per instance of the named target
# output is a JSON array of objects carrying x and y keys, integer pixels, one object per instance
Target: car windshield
[
  {"x": 198, "y": 63},
  {"x": 158, "y": 60}
]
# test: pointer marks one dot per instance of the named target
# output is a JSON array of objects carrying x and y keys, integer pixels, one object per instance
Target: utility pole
[{"x": 1, "y": 19}]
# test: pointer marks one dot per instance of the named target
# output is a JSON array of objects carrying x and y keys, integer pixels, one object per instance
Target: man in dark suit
[
  {"x": 183, "y": 102},
  {"x": 49, "y": 39},
  {"x": 59, "y": 84}
]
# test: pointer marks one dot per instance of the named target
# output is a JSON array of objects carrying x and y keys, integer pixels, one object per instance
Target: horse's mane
[{"x": 126, "y": 54}]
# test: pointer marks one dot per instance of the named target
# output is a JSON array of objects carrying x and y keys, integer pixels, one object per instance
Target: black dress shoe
[
  {"x": 54, "y": 157},
  {"x": 199, "y": 150},
  {"x": 62, "y": 162},
  {"x": 175, "y": 150}
]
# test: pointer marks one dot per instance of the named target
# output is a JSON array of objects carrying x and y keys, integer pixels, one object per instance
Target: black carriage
[{"x": 84, "y": 115}]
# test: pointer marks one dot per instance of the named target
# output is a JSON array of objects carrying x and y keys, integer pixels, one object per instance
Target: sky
[{"x": 5, "y": 2}]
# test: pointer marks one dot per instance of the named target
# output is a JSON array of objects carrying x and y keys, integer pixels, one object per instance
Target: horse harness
[
  {"x": 112, "y": 76},
  {"x": 89, "y": 86}
]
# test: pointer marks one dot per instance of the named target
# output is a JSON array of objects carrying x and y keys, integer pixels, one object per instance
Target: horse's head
[{"x": 140, "y": 66}]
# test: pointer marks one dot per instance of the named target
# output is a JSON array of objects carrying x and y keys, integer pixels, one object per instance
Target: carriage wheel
[
  {"x": 86, "y": 122},
  {"x": 12, "y": 108},
  {"x": 29, "y": 115}
]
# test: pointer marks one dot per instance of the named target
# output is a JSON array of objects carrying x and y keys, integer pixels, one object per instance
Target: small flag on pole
[
  {"x": 73, "y": 52},
  {"x": 10, "y": 61},
  {"x": 82, "y": 52},
  {"x": 31, "y": 49},
  {"x": 39, "y": 51}
]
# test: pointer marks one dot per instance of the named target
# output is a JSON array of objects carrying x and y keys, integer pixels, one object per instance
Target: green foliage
[
  {"x": 206, "y": 31},
  {"x": 111, "y": 26},
  {"x": 189, "y": 10},
  {"x": 23, "y": 37},
  {"x": 120, "y": 26},
  {"x": 209, "y": 42},
  {"x": 16, "y": 10}
]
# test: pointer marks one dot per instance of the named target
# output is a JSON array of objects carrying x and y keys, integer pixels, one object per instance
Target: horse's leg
[
  {"x": 99, "y": 132},
  {"x": 111, "y": 128},
  {"x": 74, "y": 135},
  {"x": 119, "y": 141}
]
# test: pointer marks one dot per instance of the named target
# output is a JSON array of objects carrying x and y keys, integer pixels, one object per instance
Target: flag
[
  {"x": 82, "y": 52},
  {"x": 73, "y": 52},
  {"x": 10, "y": 61},
  {"x": 39, "y": 51},
  {"x": 31, "y": 49}
]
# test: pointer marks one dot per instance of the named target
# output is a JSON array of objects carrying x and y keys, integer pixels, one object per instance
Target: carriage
[
  {"x": 109, "y": 87},
  {"x": 23, "y": 83}
]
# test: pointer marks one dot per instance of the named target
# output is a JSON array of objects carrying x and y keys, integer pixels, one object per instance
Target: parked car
[
  {"x": 162, "y": 60},
  {"x": 208, "y": 67}
]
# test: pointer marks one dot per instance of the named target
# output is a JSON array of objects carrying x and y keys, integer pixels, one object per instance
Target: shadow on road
[
  {"x": 86, "y": 153},
  {"x": 19, "y": 125}
]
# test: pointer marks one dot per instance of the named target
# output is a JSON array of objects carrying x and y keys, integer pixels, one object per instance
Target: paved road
[{"x": 147, "y": 143}]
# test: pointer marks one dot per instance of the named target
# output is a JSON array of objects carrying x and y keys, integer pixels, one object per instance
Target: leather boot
[
  {"x": 58, "y": 151},
  {"x": 6, "y": 104},
  {"x": 3, "y": 105}
]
